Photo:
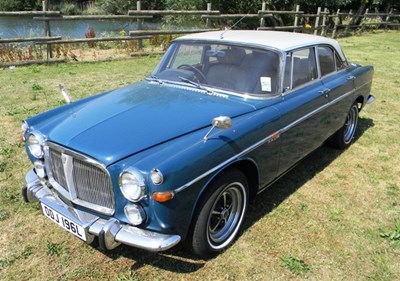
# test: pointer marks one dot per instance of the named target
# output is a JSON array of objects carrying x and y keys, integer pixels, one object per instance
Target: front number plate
[{"x": 65, "y": 223}]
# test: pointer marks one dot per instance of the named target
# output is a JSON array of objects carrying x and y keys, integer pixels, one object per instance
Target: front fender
[{"x": 189, "y": 163}]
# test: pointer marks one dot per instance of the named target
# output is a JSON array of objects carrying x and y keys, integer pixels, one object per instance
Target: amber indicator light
[{"x": 163, "y": 196}]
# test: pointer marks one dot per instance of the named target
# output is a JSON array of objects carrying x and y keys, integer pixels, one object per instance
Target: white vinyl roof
[{"x": 284, "y": 41}]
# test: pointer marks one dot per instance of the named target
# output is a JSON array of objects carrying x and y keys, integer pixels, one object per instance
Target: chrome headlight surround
[
  {"x": 35, "y": 143},
  {"x": 132, "y": 184}
]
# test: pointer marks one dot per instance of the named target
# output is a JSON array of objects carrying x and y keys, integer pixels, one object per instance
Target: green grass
[
  {"x": 295, "y": 265},
  {"x": 334, "y": 217}
]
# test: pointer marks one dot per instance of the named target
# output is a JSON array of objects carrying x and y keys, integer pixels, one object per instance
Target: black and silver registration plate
[{"x": 64, "y": 222}]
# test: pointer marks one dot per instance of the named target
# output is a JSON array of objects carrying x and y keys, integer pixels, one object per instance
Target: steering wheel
[{"x": 195, "y": 71}]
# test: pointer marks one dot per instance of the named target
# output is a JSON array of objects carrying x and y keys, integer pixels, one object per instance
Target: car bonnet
[{"x": 131, "y": 119}]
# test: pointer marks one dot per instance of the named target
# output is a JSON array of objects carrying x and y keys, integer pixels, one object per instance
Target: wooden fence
[{"x": 323, "y": 22}]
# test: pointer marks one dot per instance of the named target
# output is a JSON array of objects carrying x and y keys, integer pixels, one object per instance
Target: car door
[
  {"x": 302, "y": 108},
  {"x": 338, "y": 81}
]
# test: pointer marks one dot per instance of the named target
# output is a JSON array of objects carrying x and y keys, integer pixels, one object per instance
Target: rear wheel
[
  {"x": 220, "y": 214},
  {"x": 344, "y": 136}
]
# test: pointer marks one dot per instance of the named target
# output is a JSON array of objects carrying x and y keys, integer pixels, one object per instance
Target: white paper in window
[{"x": 265, "y": 84}]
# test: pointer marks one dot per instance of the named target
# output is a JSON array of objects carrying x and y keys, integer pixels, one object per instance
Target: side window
[
  {"x": 340, "y": 64},
  {"x": 300, "y": 68},
  {"x": 327, "y": 60}
]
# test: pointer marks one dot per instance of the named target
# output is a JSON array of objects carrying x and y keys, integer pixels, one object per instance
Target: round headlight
[
  {"x": 156, "y": 176},
  {"x": 135, "y": 214},
  {"x": 132, "y": 185},
  {"x": 35, "y": 142},
  {"x": 40, "y": 169},
  {"x": 24, "y": 127}
]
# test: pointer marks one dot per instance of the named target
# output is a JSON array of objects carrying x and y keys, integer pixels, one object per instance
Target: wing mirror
[{"x": 221, "y": 122}]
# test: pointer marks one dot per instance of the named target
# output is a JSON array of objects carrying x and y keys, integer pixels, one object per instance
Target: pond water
[{"x": 15, "y": 27}]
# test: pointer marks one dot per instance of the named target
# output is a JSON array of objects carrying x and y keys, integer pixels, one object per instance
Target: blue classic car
[{"x": 179, "y": 155}]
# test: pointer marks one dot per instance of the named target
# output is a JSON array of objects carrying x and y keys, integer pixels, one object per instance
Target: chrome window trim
[
  {"x": 335, "y": 54},
  {"x": 216, "y": 92},
  {"x": 71, "y": 194},
  {"x": 291, "y": 90},
  {"x": 319, "y": 78},
  {"x": 268, "y": 138}
]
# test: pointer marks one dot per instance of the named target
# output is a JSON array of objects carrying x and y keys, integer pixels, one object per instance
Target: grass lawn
[{"x": 336, "y": 216}]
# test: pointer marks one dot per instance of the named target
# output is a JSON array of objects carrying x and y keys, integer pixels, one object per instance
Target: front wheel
[
  {"x": 220, "y": 214},
  {"x": 344, "y": 136}
]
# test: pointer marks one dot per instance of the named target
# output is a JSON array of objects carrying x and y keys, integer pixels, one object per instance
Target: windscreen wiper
[
  {"x": 198, "y": 85},
  {"x": 154, "y": 78}
]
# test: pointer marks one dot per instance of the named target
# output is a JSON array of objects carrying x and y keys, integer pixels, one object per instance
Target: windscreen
[{"x": 226, "y": 67}]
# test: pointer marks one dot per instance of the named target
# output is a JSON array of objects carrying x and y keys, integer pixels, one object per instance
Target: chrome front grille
[
  {"x": 93, "y": 184},
  {"x": 80, "y": 179},
  {"x": 57, "y": 169}
]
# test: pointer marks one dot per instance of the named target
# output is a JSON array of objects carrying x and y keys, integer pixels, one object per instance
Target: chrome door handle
[
  {"x": 351, "y": 78},
  {"x": 325, "y": 92}
]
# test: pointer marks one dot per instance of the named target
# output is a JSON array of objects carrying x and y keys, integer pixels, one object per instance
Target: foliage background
[
  {"x": 101, "y": 7},
  {"x": 225, "y": 6}
]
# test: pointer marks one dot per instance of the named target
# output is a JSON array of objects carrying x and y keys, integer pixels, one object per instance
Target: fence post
[
  {"x": 363, "y": 21},
  {"x": 346, "y": 29},
  {"x": 139, "y": 24},
  {"x": 387, "y": 19},
  {"x": 337, "y": 21},
  {"x": 263, "y": 8},
  {"x": 317, "y": 21},
  {"x": 208, "y": 20},
  {"x": 47, "y": 31},
  {"x": 296, "y": 18},
  {"x": 324, "y": 16}
]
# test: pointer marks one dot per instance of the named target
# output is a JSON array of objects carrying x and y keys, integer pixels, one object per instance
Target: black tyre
[
  {"x": 344, "y": 136},
  {"x": 220, "y": 214}
]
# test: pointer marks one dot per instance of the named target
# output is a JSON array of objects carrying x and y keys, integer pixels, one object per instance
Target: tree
[
  {"x": 116, "y": 6},
  {"x": 357, "y": 19},
  {"x": 20, "y": 5}
]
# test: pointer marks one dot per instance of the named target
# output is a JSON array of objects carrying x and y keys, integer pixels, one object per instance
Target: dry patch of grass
[
  {"x": 334, "y": 217},
  {"x": 84, "y": 52}
]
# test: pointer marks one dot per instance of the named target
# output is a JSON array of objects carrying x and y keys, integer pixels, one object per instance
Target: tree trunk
[{"x": 357, "y": 17}]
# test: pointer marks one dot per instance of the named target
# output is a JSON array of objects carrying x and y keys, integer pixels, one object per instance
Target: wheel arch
[
  {"x": 247, "y": 166},
  {"x": 249, "y": 169},
  {"x": 360, "y": 102}
]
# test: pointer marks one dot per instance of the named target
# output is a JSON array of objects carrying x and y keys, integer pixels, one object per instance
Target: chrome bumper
[
  {"x": 111, "y": 232},
  {"x": 370, "y": 99}
]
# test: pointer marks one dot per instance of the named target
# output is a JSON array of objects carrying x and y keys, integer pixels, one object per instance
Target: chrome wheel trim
[
  {"x": 226, "y": 216},
  {"x": 350, "y": 124}
]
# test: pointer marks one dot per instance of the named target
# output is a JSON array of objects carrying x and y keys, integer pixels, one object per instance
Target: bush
[
  {"x": 116, "y": 6},
  {"x": 184, "y": 20},
  {"x": 20, "y": 5},
  {"x": 69, "y": 9},
  {"x": 93, "y": 9}
]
